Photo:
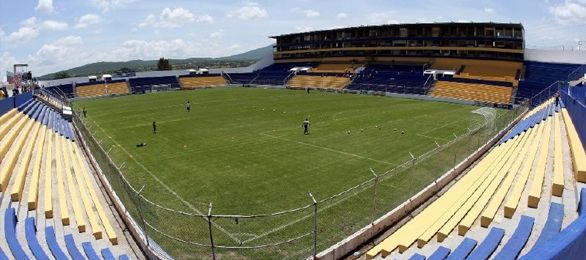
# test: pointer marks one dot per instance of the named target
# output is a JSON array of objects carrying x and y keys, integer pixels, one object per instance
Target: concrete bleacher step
[
  {"x": 485, "y": 249},
  {"x": 517, "y": 240}
]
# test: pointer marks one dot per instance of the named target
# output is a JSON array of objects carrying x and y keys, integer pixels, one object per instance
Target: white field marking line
[
  {"x": 189, "y": 205},
  {"x": 399, "y": 169},
  {"x": 327, "y": 149},
  {"x": 432, "y": 138},
  {"x": 441, "y": 126},
  {"x": 332, "y": 204}
]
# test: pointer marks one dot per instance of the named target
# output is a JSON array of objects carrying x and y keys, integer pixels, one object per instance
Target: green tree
[
  {"x": 164, "y": 64},
  {"x": 61, "y": 75}
]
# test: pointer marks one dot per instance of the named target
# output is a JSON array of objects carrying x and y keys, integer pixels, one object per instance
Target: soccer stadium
[{"x": 428, "y": 140}]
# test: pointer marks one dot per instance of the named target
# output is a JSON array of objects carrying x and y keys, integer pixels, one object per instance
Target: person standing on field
[
  {"x": 305, "y": 126},
  {"x": 154, "y": 127},
  {"x": 188, "y": 106}
]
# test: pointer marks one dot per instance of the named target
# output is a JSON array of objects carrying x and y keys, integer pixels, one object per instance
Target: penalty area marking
[{"x": 189, "y": 205}]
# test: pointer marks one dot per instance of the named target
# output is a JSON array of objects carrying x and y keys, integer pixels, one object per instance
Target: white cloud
[
  {"x": 87, "y": 20},
  {"x": 383, "y": 18},
  {"x": 53, "y": 25},
  {"x": 23, "y": 34},
  {"x": 107, "y": 5},
  {"x": 342, "y": 16},
  {"x": 31, "y": 28},
  {"x": 204, "y": 19},
  {"x": 570, "y": 12},
  {"x": 488, "y": 10},
  {"x": 6, "y": 62},
  {"x": 217, "y": 35},
  {"x": 174, "y": 18},
  {"x": 140, "y": 49},
  {"x": 250, "y": 11},
  {"x": 311, "y": 13},
  {"x": 66, "y": 50},
  {"x": 45, "y": 6}
]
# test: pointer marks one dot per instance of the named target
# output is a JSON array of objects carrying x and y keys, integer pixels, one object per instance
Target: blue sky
[{"x": 51, "y": 35}]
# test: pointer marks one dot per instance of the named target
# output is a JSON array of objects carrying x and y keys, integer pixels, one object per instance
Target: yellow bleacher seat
[
  {"x": 101, "y": 212},
  {"x": 475, "y": 92},
  {"x": 303, "y": 81},
  {"x": 558, "y": 166},
  {"x": 9, "y": 161},
  {"x": 102, "y": 89},
  {"x": 407, "y": 234},
  {"x": 10, "y": 134},
  {"x": 201, "y": 82},
  {"x": 23, "y": 162},
  {"x": 87, "y": 203},
  {"x": 576, "y": 148},
  {"x": 506, "y": 175},
  {"x": 497, "y": 199},
  {"x": 48, "y": 176},
  {"x": 537, "y": 181},
  {"x": 38, "y": 166},
  {"x": 515, "y": 196},
  {"x": 59, "y": 171},
  {"x": 72, "y": 186}
]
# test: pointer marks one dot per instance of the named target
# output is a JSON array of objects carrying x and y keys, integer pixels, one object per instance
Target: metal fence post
[
  {"x": 314, "y": 225},
  {"x": 374, "y": 196},
  {"x": 211, "y": 232},
  {"x": 146, "y": 237}
]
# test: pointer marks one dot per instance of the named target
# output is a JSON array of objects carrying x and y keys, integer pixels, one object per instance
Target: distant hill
[
  {"x": 99, "y": 68},
  {"x": 255, "y": 54}
]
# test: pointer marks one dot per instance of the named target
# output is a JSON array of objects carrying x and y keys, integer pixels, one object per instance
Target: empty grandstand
[
  {"x": 476, "y": 153},
  {"x": 51, "y": 205}
]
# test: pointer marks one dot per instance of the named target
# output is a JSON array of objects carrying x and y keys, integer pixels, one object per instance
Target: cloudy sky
[{"x": 51, "y": 35}]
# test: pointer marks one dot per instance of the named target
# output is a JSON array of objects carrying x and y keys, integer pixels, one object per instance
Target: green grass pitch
[{"x": 244, "y": 150}]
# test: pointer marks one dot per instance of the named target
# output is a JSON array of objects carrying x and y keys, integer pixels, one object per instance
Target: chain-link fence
[{"x": 188, "y": 232}]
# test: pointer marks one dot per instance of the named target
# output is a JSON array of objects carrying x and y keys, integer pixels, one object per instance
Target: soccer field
[{"x": 244, "y": 150}]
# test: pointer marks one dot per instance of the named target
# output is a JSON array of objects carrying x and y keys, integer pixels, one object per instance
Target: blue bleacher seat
[
  {"x": 518, "y": 240},
  {"x": 10, "y": 234},
  {"x": 582, "y": 204},
  {"x": 33, "y": 242},
  {"x": 53, "y": 245},
  {"x": 3, "y": 256},
  {"x": 123, "y": 257},
  {"x": 26, "y": 110},
  {"x": 440, "y": 253},
  {"x": 25, "y": 105},
  {"x": 539, "y": 75},
  {"x": 417, "y": 256},
  {"x": 89, "y": 251},
  {"x": 72, "y": 248},
  {"x": 107, "y": 254},
  {"x": 553, "y": 224},
  {"x": 488, "y": 245},
  {"x": 462, "y": 251}
]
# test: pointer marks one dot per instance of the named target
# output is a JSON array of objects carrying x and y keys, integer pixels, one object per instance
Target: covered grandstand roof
[{"x": 392, "y": 25}]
